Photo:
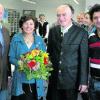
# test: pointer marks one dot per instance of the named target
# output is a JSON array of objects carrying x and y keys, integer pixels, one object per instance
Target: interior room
[
  {"x": 47, "y": 7},
  {"x": 14, "y": 9}
]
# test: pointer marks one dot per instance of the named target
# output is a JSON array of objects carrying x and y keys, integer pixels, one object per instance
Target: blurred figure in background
[
  {"x": 80, "y": 18},
  {"x": 43, "y": 27},
  {"x": 90, "y": 27},
  {"x": 36, "y": 24}
]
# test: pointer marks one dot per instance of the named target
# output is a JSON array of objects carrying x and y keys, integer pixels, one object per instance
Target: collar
[
  {"x": 0, "y": 26},
  {"x": 64, "y": 30}
]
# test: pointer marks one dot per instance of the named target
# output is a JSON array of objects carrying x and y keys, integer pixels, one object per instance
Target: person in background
[
  {"x": 36, "y": 24},
  {"x": 68, "y": 50},
  {"x": 21, "y": 43},
  {"x": 90, "y": 27},
  {"x": 43, "y": 27},
  {"x": 94, "y": 54},
  {"x": 80, "y": 18},
  {"x": 4, "y": 47}
]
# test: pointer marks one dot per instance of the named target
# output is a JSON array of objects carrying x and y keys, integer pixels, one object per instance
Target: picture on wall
[{"x": 29, "y": 12}]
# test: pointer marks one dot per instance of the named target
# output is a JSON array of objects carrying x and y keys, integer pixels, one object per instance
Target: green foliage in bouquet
[{"x": 35, "y": 64}]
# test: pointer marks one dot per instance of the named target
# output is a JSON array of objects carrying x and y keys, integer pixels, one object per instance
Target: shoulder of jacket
[
  {"x": 81, "y": 29},
  {"x": 17, "y": 37},
  {"x": 38, "y": 38},
  {"x": 55, "y": 27}
]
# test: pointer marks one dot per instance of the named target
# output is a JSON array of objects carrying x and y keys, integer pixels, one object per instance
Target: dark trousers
[
  {"x": 85, "y": 96},
  {"x": 30, "y": 93},
  {"x": 94, "y": 89},
  {"x": 60, "y": 94}
]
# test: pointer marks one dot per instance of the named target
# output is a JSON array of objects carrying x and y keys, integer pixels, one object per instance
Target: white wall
[
  {"x": 90, "y": 3},
  {"x": 18, "y": 5},
  {"x": 48, "y": 7}
]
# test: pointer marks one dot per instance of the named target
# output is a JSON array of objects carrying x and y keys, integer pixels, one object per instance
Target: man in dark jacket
[
  {"x": 4, "y": 45},
  {"x": 68, "y": 49}
]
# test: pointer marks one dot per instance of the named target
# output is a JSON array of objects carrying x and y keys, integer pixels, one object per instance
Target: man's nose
[{"x": 61, "y": 17}]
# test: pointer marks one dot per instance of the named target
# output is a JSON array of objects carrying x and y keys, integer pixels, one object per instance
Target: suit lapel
[
  {"x": 4, "y": 36},
  {"x": 58, "y": 34},
  {"x": 57, "y": 37}
]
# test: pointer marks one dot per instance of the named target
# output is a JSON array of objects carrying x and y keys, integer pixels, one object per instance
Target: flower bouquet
[{"x": 35, "y": 64}]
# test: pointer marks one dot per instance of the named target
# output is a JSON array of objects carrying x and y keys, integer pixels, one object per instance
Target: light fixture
[
  {"x": 29, "y": 1},
  {"x": 76, "y": 1}
]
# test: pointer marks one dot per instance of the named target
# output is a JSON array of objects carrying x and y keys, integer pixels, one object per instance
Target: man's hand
[{"x": 83, "y": 88}]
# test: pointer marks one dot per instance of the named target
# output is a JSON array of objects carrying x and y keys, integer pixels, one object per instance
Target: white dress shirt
[{"x": 65, "y": 29}]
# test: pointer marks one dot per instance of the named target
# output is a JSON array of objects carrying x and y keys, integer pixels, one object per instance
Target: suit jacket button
[
  {"x": 61, "y": 35},
  {"x": 59, "y": 71},
  {"x": 61, "y": 53},
  {"x": 60, "y": 62}
]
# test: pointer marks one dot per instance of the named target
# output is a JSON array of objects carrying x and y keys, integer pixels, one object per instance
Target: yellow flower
[
  {"x": 35, "y": 52},
  {"x": 45, "y": 55}
]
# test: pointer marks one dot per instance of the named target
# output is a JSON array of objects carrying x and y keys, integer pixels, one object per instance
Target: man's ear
[{"x": 72, "y": 16}]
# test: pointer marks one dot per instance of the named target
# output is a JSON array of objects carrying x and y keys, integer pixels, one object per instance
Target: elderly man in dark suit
[
  {"x": 68, "y": 49},
  {"x": 4, "y": 45}
]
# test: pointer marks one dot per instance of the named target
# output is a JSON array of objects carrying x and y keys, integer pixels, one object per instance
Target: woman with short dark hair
[{"x": 21, "y": 43}]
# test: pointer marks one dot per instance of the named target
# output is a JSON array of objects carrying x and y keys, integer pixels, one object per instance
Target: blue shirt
[{"x": 18, "y": 47}]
